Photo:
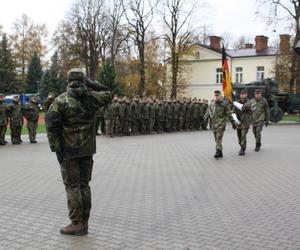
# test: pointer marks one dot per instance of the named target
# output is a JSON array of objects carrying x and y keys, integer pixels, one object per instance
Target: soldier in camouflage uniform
[
  {"x": 168, "y": 116},
  {"x": 219, "y": 112},
  {"x": 119, "y": 116},
  {"x": 3, "y": 120},
  {"x": 195, "y": 114},
  {"x": 151, "y": 116},
  {"x": 174, "y": 115},
  {"x": 144, "y": 116},
  {"x": 31, "y": 113},
  {"x": 204, "y": 111},
  {"x": 159, "y": 117},
  {"x": 15, "y": 120},
  {"x": 127, "y": 116},
  {"x": 188, "y": 115},
  {"x": 100, "y": 121},
  {"x": 181, "y": 114},
  {"x": 135, "y": 116},
  {"x": 71, "y": 133},
  {"x": 260, "y": 115},
  {"x": 109, "y": 120},
  {"x": 245, "y": 119}
]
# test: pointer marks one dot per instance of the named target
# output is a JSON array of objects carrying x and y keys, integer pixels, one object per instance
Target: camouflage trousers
[
  {"x": 118, "y": 126},
  {"x": 144, "y": 126},
  {"x": 151, "y": 125},
  {"x": 257, "y": 129},
  {"x": 167, "y": 125},
  {"x": 126, "y": 127},
  {"x": 109, "y": 127},
  {"x": 218, "y": 134},
  {"x": 76, "y": 174},
  {"x": 242, "y": 136},
  {"x": 15, "y": 133},
  {"x": 2, "y": 134},
  {"x": 32, "y": 129},
  {"x": 135, "y": 126}
]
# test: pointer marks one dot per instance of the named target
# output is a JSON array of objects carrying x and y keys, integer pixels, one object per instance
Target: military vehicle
[{"x": 279, "y": 103}]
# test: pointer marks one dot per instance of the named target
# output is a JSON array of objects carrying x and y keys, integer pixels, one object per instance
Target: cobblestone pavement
[{"x": 159, "y": 192}]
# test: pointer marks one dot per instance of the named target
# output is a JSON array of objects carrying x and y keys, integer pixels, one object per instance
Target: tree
[
  {"x": 241, "y": 42},
  {"x": 178, "y": 36},
  {"x": 107, "y": 77},
  {"x": 53, "y": 80},
  {"x": 288, "y": 10},
  {"x": 27, "y": 39},
  {"x": 139, "y": 16},
  {"x": 7, "y": 68},
  {"x": 89, "y": 19},
  {"x": 34, "y": 74}
]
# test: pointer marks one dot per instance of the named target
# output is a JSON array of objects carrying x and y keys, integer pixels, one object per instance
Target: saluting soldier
[
  {"x": 71, "y": 133},
  {"x": 260, "y": 115}
]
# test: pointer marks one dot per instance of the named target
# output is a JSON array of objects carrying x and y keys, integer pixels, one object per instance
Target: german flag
[{"x": 226, "y": 79}]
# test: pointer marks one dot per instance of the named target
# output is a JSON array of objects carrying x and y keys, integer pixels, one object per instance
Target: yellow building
[{"x": 251, "y": 63}]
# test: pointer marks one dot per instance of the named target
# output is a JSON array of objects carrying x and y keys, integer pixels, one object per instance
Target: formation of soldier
[
  {"x": 124, "y": 117},
  {"x": 13, "y": 115}
]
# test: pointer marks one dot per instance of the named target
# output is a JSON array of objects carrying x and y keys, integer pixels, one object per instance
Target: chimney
[
  {"x": 249, "y": 46},
  {"x": 261, "y": 43},
  {"x": 285, "y": 44},
  {"x": 215, "y": 42}
]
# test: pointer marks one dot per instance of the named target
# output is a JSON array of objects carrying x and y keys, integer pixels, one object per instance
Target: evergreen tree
[
  {"x": 7, "y": 68},
  {"x": 34, "y": 74},
  {"x": 107, "y": 77},
  {"x": 53, "y": 80}
]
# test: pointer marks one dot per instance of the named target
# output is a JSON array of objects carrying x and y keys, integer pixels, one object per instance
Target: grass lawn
[
  {"x": 41, "y": 129},
  {"x": 291, "y": 118}
]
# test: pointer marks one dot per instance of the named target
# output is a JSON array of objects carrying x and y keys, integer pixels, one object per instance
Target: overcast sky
[{"x": 234, "y": 16}]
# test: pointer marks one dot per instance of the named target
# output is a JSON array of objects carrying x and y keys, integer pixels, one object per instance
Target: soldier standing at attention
[
  {"x": 152, "y": 117},
  {"x": 15, "y": 120},
  {"x": 127, "y": 116},
  {"x": 219, "y": 112},
  {"x": 260, "y": 115},
  {"x": 109, "y": 120},
  {"x": 71, "y": 133},
  {"x": 31, "y": 113},
  {"x": 3, "y": 120},
  {"x": 245, "y": 119}
]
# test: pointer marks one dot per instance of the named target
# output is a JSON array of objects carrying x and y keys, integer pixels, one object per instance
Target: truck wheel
[{"x": 276, "y": 114}]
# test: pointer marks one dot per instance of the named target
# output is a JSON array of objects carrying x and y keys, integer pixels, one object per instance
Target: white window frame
[
  {"x": 260, "y": 73},
  {"x": 219, "y": 75},
  {"x": 238, "y": 74}
]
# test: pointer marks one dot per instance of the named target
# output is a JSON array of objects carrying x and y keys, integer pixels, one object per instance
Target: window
[
  {"x": 239, "y": 75},
  {"x": 219, "y": 74},
  {"x": 260, "y": 73}
]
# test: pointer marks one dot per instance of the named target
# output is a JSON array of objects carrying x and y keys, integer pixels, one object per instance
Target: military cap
[
  {"x": 258, "y": 91},
  {"x": 76, "y": 74},
  {"x": 244, "y": 91},
  {"x": 217, "y": 92}
]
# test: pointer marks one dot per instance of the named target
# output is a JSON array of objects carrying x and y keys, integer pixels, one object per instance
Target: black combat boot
[
  {"x": 219, "y": 154},
  {"x": 75, "y": 228},
  {"x": 242, "y": 151},
  {"x": 257, "y": 147}
]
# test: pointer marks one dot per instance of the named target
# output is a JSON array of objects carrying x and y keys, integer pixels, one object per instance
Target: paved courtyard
[{"x": 159, "y": 192}]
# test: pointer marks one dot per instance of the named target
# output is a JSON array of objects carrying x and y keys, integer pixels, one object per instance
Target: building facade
[{"x": 251, "y": 63}]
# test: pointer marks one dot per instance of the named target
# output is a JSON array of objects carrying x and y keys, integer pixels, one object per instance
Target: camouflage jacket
[
  {"x": 188, "y": 111},
  {"x": 70, "y": 120},
  {"x": 3, "y": 114},
  {"x": 144, "y": 111},
  {"x": 47, "y": 103},
  {"x": 159, "y": 113},
  {"x": 135, "y": 111},
  {"x": 167, "y": 111},
  {"x": 219, "y": 113},
  {"x": 195, "y": 111},
  {"x": 15, "y": 114},
  {"x": 245, "y": 117},
  {"x": 259, "y": 108},
  {"x": 127, "y": 112},
  {"x": 152, "y": 111},
  {"x": 31, "y": 112}
]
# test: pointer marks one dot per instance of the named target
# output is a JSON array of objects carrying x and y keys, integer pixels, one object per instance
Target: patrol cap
[
  {"x": 217, "y": 92},
  {"x": 258, "y": 91},
  {"x": 76, "y": 74},
  {"x": 244, "y": 91}
]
